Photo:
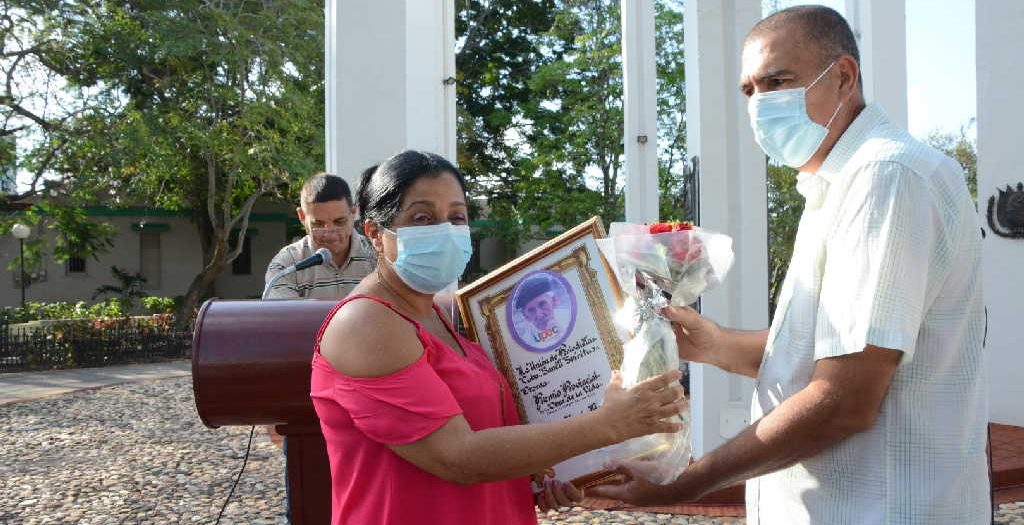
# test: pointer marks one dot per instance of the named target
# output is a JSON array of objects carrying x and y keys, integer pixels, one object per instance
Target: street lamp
[{"x": 21, "y": 232}]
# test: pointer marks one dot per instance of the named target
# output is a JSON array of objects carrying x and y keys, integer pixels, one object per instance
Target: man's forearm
[
  {"x": 742, "y": 351},
  {"x": 801, "y": 427}
]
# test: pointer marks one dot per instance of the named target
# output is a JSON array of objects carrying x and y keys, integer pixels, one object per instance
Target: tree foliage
[
  {"x": 961, "y": 148},
  {"x": 186, "y": 105},
  {"x": 785, "y": 206},
  {"x": 540, "y": 117},
  {"x": 128, "y": 288}
]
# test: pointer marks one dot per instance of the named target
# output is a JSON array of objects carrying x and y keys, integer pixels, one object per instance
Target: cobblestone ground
[{"x": 138, "y": 454}]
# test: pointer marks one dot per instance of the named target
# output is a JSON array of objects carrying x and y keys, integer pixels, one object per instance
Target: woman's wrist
[{"x": 603, "y": 426}]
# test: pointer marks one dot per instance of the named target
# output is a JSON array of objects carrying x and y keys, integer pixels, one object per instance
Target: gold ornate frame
[
  {"x": 577, "y": 256},
  {"x": 579, "y": 260}
]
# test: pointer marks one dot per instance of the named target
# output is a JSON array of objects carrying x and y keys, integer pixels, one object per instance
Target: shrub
[
  {"x": 35, "y": 311},
  {"x": 160, "y": 305}
]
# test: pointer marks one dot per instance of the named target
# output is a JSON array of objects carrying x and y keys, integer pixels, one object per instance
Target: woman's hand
[
  {"x": 555, "y": 494},
  {"x": 642, "y": 409}
]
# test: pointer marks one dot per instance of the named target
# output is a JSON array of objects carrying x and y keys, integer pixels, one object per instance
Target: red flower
[{"x": 665, "y": 227}]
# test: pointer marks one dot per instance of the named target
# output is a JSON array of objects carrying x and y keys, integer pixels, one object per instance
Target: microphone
[{"x": 321, "y": 256}]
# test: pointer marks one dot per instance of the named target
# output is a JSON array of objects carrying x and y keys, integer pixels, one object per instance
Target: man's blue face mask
[
  {"x": 432, "y": 257},
  {"x": 782, "y": 127}
]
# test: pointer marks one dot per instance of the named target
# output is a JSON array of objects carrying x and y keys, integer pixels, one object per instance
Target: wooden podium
[{"x": 251, "y": 366}]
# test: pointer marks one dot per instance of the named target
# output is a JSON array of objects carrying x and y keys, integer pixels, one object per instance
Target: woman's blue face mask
[
  {"x": 782, "y": 127},
  {"x": 432, "y": 257}
]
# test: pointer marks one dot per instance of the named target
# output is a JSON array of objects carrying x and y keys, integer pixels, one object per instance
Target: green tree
[
  {"x": 785, "y": 206},
  {"x": 576, "y": 128},
  {"x": 128, "y": 289},
  {"x": 961, "y": 148},
  {"x": 194, "y": 105},
  {"x": 35, "y": 105},
  {"x": 499, "y": 52},
  {"x": 547, "y": 153}
]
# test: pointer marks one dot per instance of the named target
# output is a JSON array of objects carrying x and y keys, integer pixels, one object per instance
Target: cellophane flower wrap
[{"x": 658, "y": 265}]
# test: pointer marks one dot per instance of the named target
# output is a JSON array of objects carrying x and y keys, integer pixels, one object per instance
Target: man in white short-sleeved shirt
[{"x": 870, "y": 405}]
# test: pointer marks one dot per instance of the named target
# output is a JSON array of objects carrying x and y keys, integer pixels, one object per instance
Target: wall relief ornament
[{"x": 1006, "y": 212}]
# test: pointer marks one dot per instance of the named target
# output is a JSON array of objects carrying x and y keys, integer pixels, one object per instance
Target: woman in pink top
[{"x": 420, "y": 427}]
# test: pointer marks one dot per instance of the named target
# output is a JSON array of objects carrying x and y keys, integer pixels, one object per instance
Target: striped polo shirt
[{"x": 327, "y": 281}]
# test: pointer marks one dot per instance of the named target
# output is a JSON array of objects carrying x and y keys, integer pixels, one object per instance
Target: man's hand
[
  {"x": 699, "y": 338},
  {"x": 842, "y": 399},
  {"x": 702, "y": 341},
  {"x": 633, "y": 489}
]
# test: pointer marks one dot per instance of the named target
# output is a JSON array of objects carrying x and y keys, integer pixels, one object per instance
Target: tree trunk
[
  {"x": 215, "y": 249},
  {"x": 197, "y": 291}
]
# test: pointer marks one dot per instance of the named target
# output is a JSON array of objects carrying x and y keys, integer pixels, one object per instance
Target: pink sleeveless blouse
[{"x": 360, "y": 417}]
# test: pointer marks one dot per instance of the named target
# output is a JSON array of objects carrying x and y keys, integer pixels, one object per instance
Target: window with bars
[{"x": 76, "y": 264}]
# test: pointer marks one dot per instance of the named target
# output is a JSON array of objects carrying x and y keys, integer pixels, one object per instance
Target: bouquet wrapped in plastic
[{"x": 658, "y": 265}]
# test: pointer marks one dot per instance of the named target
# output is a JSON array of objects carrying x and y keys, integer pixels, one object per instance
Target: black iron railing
[{"x": 76, "y": 343}]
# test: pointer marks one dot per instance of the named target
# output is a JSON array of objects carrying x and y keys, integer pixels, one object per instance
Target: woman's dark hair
[{"x": 381, "y": 191}]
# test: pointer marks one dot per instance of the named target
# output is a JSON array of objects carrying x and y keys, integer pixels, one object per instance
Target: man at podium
[{"x": 328, "y": 216}]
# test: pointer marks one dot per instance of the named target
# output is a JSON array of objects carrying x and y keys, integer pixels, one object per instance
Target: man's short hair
[
  {"x": 818, "y": 27},
  {"x": 531, "y": 290},
  {"x": 324, "y": 187}
]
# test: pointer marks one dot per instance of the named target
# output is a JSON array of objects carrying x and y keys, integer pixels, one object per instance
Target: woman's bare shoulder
[{"x": 368, "y": 339}]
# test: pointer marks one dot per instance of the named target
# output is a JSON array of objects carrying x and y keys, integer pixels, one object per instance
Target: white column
[
  {"x": 386, "y": 66},
  {"x": 640, "y": 107},
  {"x": 881, "y": 30},
  {"x": 733, "y": 200},
  {"x": 1000, "y": 72}
]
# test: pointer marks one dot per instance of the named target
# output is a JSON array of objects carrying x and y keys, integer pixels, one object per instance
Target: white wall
[
  {"x": 60, "y": 285},
  {"x": 1000, "y": 66},
  {"x": 881, "y": 30},
  {"x": 640, "y": 110},
  {"x": 182, "y": 260},
  {"x": 733, "y": 200},
  {"x": 386, "y": 62}
]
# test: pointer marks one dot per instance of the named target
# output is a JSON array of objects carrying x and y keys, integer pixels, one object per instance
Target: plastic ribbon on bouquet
[{"x": 665, "y": 264}]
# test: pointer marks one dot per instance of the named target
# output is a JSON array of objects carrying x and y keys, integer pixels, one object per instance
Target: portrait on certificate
[{"x": 545, "y": 319}]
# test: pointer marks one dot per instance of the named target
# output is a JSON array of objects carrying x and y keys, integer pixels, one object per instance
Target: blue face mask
[
  {"x": 432, "y": 257},
  {"x": 782, "y": 127}
]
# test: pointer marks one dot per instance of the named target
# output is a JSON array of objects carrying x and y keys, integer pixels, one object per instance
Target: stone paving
[{"x": 137, "y": 454}]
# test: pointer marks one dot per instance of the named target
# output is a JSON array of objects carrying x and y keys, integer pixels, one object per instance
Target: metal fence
[{"x": 77, "y": 343}]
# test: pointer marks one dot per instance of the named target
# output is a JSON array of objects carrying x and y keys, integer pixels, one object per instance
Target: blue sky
[{"x": 940, "y": 63}]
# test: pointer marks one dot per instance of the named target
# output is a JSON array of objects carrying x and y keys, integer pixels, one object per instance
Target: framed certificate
[{"x": 545, "y": 319}]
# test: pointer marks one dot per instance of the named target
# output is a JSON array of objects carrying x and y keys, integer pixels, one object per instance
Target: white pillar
[
  {"x": 386, "y": 66},
  {"x": 1000, "y": 72},
  {"x": 881, "y": 30},
  {"x": 640, "y": 108},
  {"x": 733, "y": 200}
]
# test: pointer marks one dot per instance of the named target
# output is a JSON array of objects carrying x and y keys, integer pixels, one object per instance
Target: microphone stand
[
  {"x": 270, "y": 284},
  {"x": 318, "y": 258}
]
